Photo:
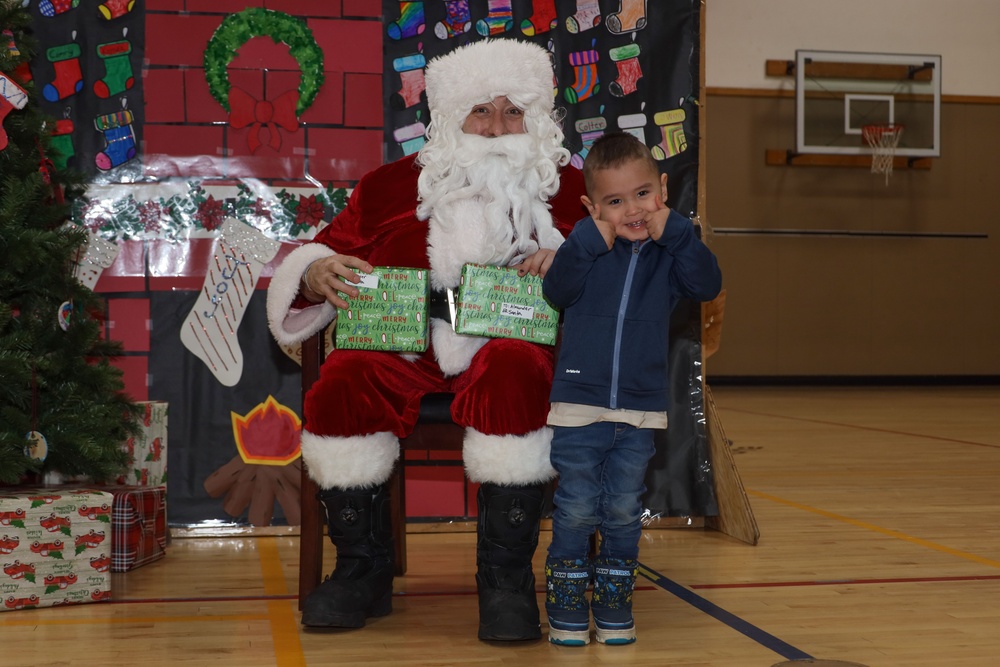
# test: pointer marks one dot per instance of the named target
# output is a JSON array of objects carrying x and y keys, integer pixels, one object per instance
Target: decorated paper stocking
[
  {"x": 411, "y": 77},
  {"x": 411, "y": 137},
  {"x": 499, "y": 19},
  {"x": 23, "y": 71},
  {"x": 96, "y": 256},
  {"x": 458, "y": 20},
  {"x": 587, "y": 16},
  {"x": 52, "y": 8},
  {"x": 112, "y": 9},
  {"x": 673, "y": 142},
  {"x": 209, "y": 331},
  {"x": 631, "y": 16},
  {"x": 634, "y": 124},
  {"x": 410, "y": 23},
  {"x": 62, "y": 143},
  {"x": 543, "y": 20},
  {"x": 586, "y": 83},
  {"x": 118, "y": 77},
  {"x": 68, "y": 80},
  {"x": 629, "y": 72},
  {"x": 12, "y": 96},
  {"x": 588, "y": 139},
  {"x": 117, "y": 129}
]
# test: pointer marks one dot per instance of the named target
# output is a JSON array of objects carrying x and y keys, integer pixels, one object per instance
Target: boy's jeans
[{"x": 602, "y": 470}]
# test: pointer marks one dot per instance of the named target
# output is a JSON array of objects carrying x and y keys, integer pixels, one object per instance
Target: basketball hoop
[{"x": 883, "y": 140}]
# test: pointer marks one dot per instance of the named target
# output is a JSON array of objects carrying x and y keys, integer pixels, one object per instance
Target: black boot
[
  {"x": 509, "y": 517},
  {"x": 361, "y": 584}
]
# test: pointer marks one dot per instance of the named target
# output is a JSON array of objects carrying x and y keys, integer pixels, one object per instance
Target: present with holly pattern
[
  {"x": 389, "y": 313},
  {"x": 55, "y": 546},
  {"x": 495, "y": 302}
]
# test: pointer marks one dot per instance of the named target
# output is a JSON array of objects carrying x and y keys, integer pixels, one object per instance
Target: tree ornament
[
  {"x": 37, "y": 447},
  {"x": 65, "y": 315}
]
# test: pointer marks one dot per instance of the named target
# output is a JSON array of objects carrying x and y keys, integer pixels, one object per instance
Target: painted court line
[
  {"x": 766, "y": 639},
  {"x": 859, "y": 427},
  {"x": 284, "y": 625},
  {"x": 878, "y": 529},
  {"x": 131, "y": 620},
  {"x": 842, "y": 582}
]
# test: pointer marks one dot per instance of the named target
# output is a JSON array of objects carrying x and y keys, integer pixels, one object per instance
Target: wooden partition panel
[{"x": 832, "y": 272}]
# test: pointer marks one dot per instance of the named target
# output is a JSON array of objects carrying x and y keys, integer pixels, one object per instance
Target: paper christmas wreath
[{"x": 234, "y": 31}]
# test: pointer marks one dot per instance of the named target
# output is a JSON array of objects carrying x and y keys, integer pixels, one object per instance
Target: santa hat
[{"x": 481, "y": 71}]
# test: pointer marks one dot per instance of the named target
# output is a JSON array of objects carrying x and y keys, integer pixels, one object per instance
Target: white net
[{"x": 883, "y": 140}]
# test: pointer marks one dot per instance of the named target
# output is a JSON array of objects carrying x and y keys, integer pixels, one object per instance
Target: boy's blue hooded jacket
[{"x": 616, "y": 311}]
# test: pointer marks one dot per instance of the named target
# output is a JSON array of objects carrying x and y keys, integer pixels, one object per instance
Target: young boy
[{"x": 617, "y": 278}]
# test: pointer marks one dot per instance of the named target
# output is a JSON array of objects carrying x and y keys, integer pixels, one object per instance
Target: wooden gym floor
[{"x": 878, "y": 512}]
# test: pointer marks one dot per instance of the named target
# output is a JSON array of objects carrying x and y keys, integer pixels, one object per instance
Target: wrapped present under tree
[{"x": 55, "y": 546}]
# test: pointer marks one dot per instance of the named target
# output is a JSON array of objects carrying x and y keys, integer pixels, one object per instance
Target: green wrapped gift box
[
  {"x": 494, "y": 301},
  {"x": 389, "y": 314}
]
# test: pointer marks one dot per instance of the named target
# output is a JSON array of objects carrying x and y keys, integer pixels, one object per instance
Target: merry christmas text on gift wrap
[
  {"x": 497, "y": 303},
  {"x": 389, "y": 313}
]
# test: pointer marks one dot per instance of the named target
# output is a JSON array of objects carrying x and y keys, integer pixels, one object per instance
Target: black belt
[{"x": 439, "y": 305}]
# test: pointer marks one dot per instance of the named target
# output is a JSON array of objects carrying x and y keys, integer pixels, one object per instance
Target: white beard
[{"x": 485, "y": 206}]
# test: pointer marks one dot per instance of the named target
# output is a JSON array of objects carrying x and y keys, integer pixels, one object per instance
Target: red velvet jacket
[{"x": 380, "y": 224}]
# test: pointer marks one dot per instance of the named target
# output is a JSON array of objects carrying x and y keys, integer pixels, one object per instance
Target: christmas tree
[{"x": 62, "y": 405}]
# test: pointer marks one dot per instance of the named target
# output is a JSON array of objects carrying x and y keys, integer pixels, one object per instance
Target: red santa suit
[
  {"x": 503, "y": 391},
  {"x": 364, "y": 401}
]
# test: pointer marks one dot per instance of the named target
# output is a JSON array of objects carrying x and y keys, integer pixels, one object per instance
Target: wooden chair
[{"x": 434, "y": 431}]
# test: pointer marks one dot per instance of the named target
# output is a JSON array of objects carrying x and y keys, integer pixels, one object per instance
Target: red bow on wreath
[{"x": 246, "y": 110}]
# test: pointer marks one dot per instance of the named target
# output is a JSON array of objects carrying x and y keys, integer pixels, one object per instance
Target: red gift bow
[{"x": 247, "y": 110}]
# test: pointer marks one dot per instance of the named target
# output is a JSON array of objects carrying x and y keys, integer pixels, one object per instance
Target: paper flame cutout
[{"x": 268, "y": 435}]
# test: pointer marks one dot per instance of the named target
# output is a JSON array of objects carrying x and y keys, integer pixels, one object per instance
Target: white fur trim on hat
[
  {"x": 288, "y": 325},
  {"x": 484, "y": 70},
  {"x": 344, "y": 463},
  {"x": 508, "y": 459}
]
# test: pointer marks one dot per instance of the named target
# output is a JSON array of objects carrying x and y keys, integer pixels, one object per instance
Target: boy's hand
[
  {"x": 607, "y": 230},
  {"x": 656, "y": 221},
  {"x": 537, "y": 264}
]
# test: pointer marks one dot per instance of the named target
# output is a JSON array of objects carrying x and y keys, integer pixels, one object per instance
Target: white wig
[{"x": 480, "y": 72}]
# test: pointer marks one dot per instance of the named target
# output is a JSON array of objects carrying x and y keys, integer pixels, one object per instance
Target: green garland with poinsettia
[{"x": 282, "y": 215}]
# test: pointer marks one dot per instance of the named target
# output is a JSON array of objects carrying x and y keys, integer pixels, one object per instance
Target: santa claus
[{"x": 490, "y": 186}]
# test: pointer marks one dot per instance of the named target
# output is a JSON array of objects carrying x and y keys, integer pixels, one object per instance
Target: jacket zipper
[{"x": 620, "y": 324}]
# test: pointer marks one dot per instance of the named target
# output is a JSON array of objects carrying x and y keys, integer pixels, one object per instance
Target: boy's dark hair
[{"x": 613, "y": 150}]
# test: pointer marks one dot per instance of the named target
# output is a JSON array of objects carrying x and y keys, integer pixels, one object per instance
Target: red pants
[{"x": 505, "y": 391}]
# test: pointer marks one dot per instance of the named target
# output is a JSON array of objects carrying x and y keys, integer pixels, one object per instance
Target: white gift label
[
  {"x": 368, "y": 281},
  {"x": 515, "y": 310}
]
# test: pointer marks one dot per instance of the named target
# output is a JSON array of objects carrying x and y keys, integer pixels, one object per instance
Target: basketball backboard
[{"x": 837, "y": 93}]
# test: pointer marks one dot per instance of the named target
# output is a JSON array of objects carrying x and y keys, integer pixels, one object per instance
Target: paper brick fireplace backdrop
[
  {"x": 288, "y": 171},
  {"x": 186, "y": 136}
]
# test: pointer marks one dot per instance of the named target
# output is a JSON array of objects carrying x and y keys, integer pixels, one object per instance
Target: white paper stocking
[
  {"x": 209, "y": 331},
  {"x": 98, "y": 255}
]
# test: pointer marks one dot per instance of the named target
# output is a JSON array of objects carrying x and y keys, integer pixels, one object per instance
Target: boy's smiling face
[{"x": 624, "y": 195}]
